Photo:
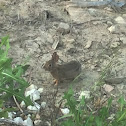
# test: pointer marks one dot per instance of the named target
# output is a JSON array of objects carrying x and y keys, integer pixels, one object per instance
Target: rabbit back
[{"x": 69, "y": 70}]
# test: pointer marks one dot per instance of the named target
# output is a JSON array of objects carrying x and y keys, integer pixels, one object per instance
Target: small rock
[
  {"x": 121, "y": 87},
  {"x": 65, "y": 111},
  {"x": 85, "y": 93},
  {"x": 93, "y": 11},
  {"x": 88, "y": 44},
  {"x": 32, "y": 86},
  {"x": 108, "y": 88},
  {"x": 109, "y": 23},
  {"x": 112, "y": 117},
  {"x": 40, "y": 90},
  {"x": 34, "y": 108},
  {"x": 10, "y": 115},
  {"x": 55, "y": 44},
  {"x": 37, "y": 117},
  {"x": 115, "y": 80},
  {"x": 23, "y": 105},
  {"x": 123, "y": 39},
  {"x": 120, "y": 20},
  {"x": 18, "y": 120},
  {"x": 29, "y": 92},
  {"x": 28, "y": 122},
  {"x": 34, "y": 94},
  {"x": 64, "y": 28},
  {"x": 43, "y": 105},
  {"x": 114, "y": 44},
  {"x": 48, "y": 123},
  {"x": 112, "y": 29},
  {"x": 37, "y": 122}
]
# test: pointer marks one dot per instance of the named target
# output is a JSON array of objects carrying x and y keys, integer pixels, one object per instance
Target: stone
[
  {"x": 65, "y": 111},
  {"x": 120, "y": 20},
  {"x": 32, "y": 86},
  {"x": 112, "y": 29},
  {"x": 108, "y": 88},
  {"x": 10, "y": 115},
  {"x": 18, "y": 120},
  {"x": 86, "y": 94},
  {"x": 123, "y": 39},
  {"x": 43, "y": 104},
  {"x": 37, "y": 116},
  {"x": 33, "y": 93},
  {"x": 37, "y": 122},
  {"x": 22, "y": 104},
  {"x": 28, "y": 122},
  {"x": 34, "y": 108},
  {"x": 88, "y": 44},
  {"x": 40, "y": 90},
  {"x": 109, "y": 23},
  {"x": 64, "y": 28},
  {"x": 114, "y": 44}
]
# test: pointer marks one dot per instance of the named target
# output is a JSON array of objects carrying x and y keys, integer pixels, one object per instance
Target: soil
[{"x": 37, "y": 28}]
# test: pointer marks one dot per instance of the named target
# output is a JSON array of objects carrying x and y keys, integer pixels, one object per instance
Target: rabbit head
[{"x": 51, "y": 64}]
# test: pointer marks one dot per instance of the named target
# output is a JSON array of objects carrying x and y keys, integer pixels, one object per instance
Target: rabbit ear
[{"x": 55, "y": 57}]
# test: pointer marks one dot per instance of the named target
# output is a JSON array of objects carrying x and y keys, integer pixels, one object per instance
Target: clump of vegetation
[
  {"x": 81, "y": 116},
  {"x": 11, "y": 81}
]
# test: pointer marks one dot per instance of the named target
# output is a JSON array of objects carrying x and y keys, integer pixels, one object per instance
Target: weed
[{"x": 11, "y": 80}]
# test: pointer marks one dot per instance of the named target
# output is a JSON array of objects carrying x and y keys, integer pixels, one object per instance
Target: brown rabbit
[{"x": 67, "y": 71}]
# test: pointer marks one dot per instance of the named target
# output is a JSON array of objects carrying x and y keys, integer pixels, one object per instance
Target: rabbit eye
[{"x": 50, "y": 65}]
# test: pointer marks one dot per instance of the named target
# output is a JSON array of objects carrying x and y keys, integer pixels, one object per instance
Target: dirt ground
[{"x": 93, "y": 36}]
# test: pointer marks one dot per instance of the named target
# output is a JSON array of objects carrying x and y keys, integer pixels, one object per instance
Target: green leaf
[
  {"x": 69, "y": 122},
  {"x": 20, "y": 70},
  {"x": 17, "y": 79},
  {"x": 109, "y": 103},
  {"x": 5, "y": 41},
  {"x": 122, "y": 102},
  {"x": 1, "y": 103},
  {"x": 19, "y": 95},
  {"x": 4, "y": 114},
  {"x": 98, "y": 121}
]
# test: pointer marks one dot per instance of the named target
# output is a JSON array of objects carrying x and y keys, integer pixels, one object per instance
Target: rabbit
[{"x": 67, "y": 71}]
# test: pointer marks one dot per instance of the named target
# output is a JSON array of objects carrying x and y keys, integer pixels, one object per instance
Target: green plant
[
  {"x": 11, "y": 80},
  {"x": 80, "y": 116}
]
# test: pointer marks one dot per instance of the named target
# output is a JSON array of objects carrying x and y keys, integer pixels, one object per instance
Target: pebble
[
  {"x": 32, "y": 86},
  {"x": 37, "y": 122},
  {"x": 10, "y": 115},
  {"x": 65, "y": 111},
  {"x": 23, "y": 105},
  {"x": 86, "y": 94},
  {"x": 115, "y": 80},
  {"x": 18, "y": 120},
  {"x": 28, "y": 122},
  {"x": 108, "y": 88},
  {"x": 120, "y": 20},
  {"x": 112, "y": 29},
  {"x": 114, "y": 44},
  {"x": 64, "y": 28},
  {"x": 37, "y": 117},
  {"x": 33, "y": 93},
  {"x": 123, "y": 39},
  {"x": 43, "y": 104},
  {"x": 88, "y": 44},
  {"x": 40, "y": 90},
  {"x": 35, "y": 108}
]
